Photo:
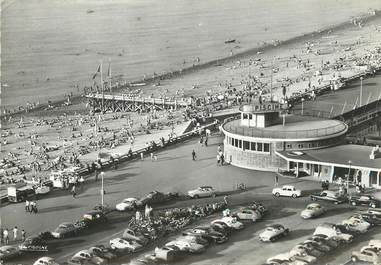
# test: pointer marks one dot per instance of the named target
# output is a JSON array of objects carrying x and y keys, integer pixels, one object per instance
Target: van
[{"x": 331, "y": 231}]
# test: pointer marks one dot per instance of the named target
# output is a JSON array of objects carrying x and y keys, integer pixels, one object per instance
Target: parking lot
[{"x": 174, "y": 171}]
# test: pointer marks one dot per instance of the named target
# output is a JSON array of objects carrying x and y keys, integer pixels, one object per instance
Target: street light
[
  {"x": 361, "y": 78},
  {"x": 350, "y": 163},
  {"x": 302, "y": 105},
  {"x": 102, "y": 189}
]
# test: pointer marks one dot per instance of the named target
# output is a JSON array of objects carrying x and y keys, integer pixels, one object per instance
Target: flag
[{"x": 98, "y": 71}]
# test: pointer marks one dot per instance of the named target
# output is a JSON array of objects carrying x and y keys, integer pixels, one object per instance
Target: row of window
[{"x": 251, "y": 146}]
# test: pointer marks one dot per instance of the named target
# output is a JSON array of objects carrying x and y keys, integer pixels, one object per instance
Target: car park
[
  {"x": 33, "y": 243},
  {"x": 45, "y": 261},
  {"x": 203, "y": 191},
  {"x": 333, "y": 231},
  {"x": 127, "y": 204},
  {"x": 168, "y": 253},
  {"x": 65, "y": 230},
  {"x": 329, "y": 195},
  {"x": 248, "y": 214},
  {"x": 88, "y": 256},
  {"x": 120, "y": 243},
  {"x": 357, "y": 225},
  {"x": 137, "y": 236},
  {"x": 102, "y": 251},
  {"x": 312, "y": 210},
  {"x": 8, "y": 252},
  {"x": 287, "y": 191},
  {"x": 273, "y": 232},
  {"x": 364, "y": 200},
  {"x": 187, "y": 246},
  {"x": 366, "y": 255},
  {"x": 231, "y": 222}
]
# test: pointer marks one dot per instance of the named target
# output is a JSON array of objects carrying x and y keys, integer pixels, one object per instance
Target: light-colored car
[
  {"x": 331, "y": 231},
  {"x": 285, "y": 258},
  {"x": 312, "y": 210},
  {"x": 356, "y": 225},
  {"x": 248, "y": 214},
  {"x": 187, "y": 246},
  {"x": 203, "y": 191},
  {"x": 102, "y": 251},
  {"x": 368, "y": 255},
  {"x": 127, "y": 204},
  {"x": 332, "y": 243},
  {"x": 42, "y": 189},
  {"x": 120, "y": 243},
  {"x": 132, "y": 235},
  {"x": 287, "y": 191},
  {"x": 79, "y": 261},
  {"x": 329, "y": 195},
  {"x": 375, "y": 243},
  {"x": 305, "y": 248},
  {"x": 318, "y": 245},
  {"x": 86, "y": 255},
  {"x": 273, "y": 232},
  {"x": 199, "y": 239},
  {"x": 8, "y": 252},
  {"x": 305, "y": 258},
  {"x": 168, "y": 253},
  {"x": 230, "y": 222},
  {"x": 45, "y": 261},
  {"x": 64, "y": 230}
]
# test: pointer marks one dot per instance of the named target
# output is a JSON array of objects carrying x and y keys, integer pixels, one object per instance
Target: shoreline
[{"x": 76, "y": 99}]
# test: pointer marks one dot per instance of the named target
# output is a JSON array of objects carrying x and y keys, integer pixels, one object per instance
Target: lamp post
[
  {"x": 350, "y": 164},
  {"x": 102, "y": 189},
  {"x": 302, "y": 106},
  {"x": 361, "y": 78}
]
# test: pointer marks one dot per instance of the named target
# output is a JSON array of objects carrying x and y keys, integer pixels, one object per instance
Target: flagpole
[
  {"x": 103, "y": 92},
  {"x": 109, "y": 74}
]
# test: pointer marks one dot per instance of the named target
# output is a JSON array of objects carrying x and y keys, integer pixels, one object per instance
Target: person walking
[
  {"x": 193, "y": 155},
  {"x": 31, "y": 207},
  {"x": 151, "y": 154},
  {"x": 96, "y": 175},
  {"x": 276, "y": 180},
  {"x": 73, "y": 191},
  {"x": 6, "y": 236},
  {"x": 226, "y": 200},
  {"x": 81, "y": 182},
  {"x": 27, "y": 206},
  {"x": 222, "y": 159},
  {"x": 15, "y": 233},
  {"x": 34, "y": 207},
  {"x": 142, "y": 156},
  {"x": 218, "y": 159},
  {"x": 206, "y": 141},
  {"x": 23, "y": 235}
]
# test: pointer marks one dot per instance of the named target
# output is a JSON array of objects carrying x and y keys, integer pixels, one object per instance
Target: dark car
[
  {"x": 329, "y": 195},
  {"x": 156, "y": 197},
  {"x": 95, "y": 217},
  {"x": 102, "y": 252},
  {"x": 34, "y": 243},
  {"x": 365, "y": 200}
]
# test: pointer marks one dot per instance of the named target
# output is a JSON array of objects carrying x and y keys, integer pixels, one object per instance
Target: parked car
[
  {"x": 367, "y": 255},
  {"x": 79, "y": 261},
  {"x": 65, "y": 230},
  {"x": 329, "y": 195},
  {"x": 370, "y": 218},
  {"x": 95, "y": 217},
  {"x": 45, "y": 261},
  {"x": 284, "y": 258},
  {"x": 146, "y": 260},
  {"x": 221, "y": 227},
  {"x": 231, "y": 222},
  {"x": 168, "y": 253},
  {"x": 306, "y": 248},
  {"x": 203, "y": 191},
  {"x": 318, "y": 245},
  {"x": 357, "y": 225},
  {"x": 305, "y": 258},
  {"x": 155, "y": 197},
  {"x": 273, "y": 232},
  {"x": 199, "y": 239},
  {"x": 312, "y": 210},
  {"x": 120, "y": 243},
  {"x": 257, "y": 206},
  {"x": 332, "y": 231},
  {"x": 217, "y": 237},
  {"x": 102, "y": 251},
  {"x": 42, "y": 189},
  {"x": 127, "y": 204},
  {"x": 187, "y": 246},
  {"x": 33, "y": 243},
  {"x": 331, "y": 242},
  {"x": 86, "y": 255},
  {"x": 365, "y": 200},
  {"x": 248, "y": 214},
  {"x": 8, "y": 252},
  {"x": 137, "y": 236},
  {"x": 287, "y": 191}
]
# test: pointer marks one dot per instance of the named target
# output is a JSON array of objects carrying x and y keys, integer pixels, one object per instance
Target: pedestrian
[
  {"x": 276, "y": 180},
  {"x": 206, "y": 141},
  {"x": 31, "y": 207},
  {"x": 226, "y": 200},
  {"x": 15, "y": 232},
  {"x": 6, "y": 236},
  {"x": 201, "y": 140},
  {"x": 193, "y": 155},
  {"x": 96, "y": 175},
  {"x": 222, "y": 159},
  {"x": 219, "y": 148},
  {"x": 73, "y": 191},
  {"x": 142, "y": 156},
  {"x": 151, "y": 154},
  {"x": 27, "y": 206},
  {"x": 81, "y": 182},
  {"x": 34, "y": 208},
  {"x": 218, "y": 159},
  {"x": 23, "y": 235}
]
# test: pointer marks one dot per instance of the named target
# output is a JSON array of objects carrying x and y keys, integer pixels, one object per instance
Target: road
[{"x": 175, "y": 171}]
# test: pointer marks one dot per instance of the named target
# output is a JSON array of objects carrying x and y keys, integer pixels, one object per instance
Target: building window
[
  {"x": 300, "y": 145},
  {"x": 246, "y": 145},
  {"x": 266, "y": 147},
  {"x": 250, "y": 116},
  {"x": 240, "y": 143},
  {"x": 253, "y": 146},
  {"x": 244, "y": 116},
  {"x": 236, "y": 142},
  {"x": 259, "y": 147},
  {"x": 289, "y": 146}
]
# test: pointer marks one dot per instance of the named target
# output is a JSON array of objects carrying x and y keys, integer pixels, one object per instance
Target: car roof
[
  {"x": 275, "y": 226},
  {"x": 206, "y": 187},
  {"x": 314, "y": 205},
  {"x": 288, "y": 186}
]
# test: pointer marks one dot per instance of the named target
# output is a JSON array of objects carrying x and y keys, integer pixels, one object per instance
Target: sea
[{"x": 53, "y": 47}]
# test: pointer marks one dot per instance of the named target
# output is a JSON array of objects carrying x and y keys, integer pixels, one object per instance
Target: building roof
[
  {"x": 337, "y": 156},
  {"x": 296, "y": 127}
]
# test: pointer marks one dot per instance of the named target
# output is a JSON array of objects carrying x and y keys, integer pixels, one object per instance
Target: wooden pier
[{"x": 125, "y": 103}]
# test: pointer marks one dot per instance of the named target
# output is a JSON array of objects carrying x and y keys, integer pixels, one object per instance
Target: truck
[{"x": 20, "y": 192}]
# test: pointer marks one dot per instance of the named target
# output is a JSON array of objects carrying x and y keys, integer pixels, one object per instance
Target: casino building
[{"x": 263, "y": 137}]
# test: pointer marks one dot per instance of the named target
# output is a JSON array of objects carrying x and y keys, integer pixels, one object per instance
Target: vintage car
[
  {"x": 312, "y": 210},
  {"x": 334, "y": 232},
  {"x": 329, "y": 195},
  {"x": 230, "y": 222},
  {"x": 218, "y": 237},
  {"x": 287, "y": 191},
  {"x": 355, "y": 224},
  {"x": 95, "y": 216},
  {"x": 248, "y": 214},
  {"x": 102, "y": 251},
  {"x": 273, "y": 232},
  {"x": 318, "y": 245},
  {"x": 203, "y": 191},
  {"x": 306, "y": 248},
  {"x": 65, "y": 230},
  {"x": 368, "y": 254},
  {"x": 364, "y": 200},
  {"x": 257, "y": 206},
  {"x": 375, "y": 243},
  {"x": 127, "y": 204},
  {"x": 285, "y": 258},
  {"x": 120, "y": 243},
  {"x": 199, "y": 239},
  {"x": 42, "y": 189},
  {"x": 168, "y": 253},
  {"x": 79, "y": 261},
  {"x": 323, "y": 239},
  {"x": 34, "y": 243},
  {"x": 155, "y": 197},
  {"x": 187, "y": 246},
  {"x": 86, "y": 255},
  {"x": 137, "y": 236},
  {"x": 370, "y": 218},
  {"x": 8, "y": 252},
  {"x": 45, "y": 261}
]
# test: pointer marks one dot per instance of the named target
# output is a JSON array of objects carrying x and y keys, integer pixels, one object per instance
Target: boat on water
[{"x": 230, "y": 41}]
